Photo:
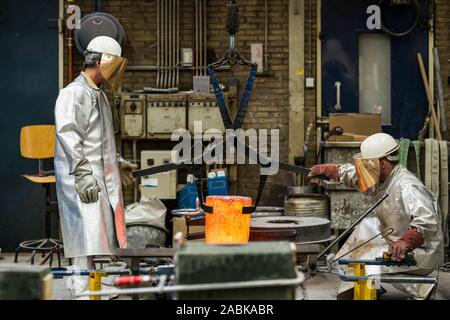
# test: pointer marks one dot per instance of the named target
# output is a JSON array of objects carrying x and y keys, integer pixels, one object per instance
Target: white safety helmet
[
  {"x": 378, "y": 146},
  {"x": 104, "y": 44},
  {"x": 112, "y": 64}
]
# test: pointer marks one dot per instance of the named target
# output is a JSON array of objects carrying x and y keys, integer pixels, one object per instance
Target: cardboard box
[
  {"x": 179, "y": 225},
  {"x": 357, "y": 126}
]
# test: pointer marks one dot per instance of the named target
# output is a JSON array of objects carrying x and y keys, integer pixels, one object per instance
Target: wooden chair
[{"x": 38, "y": 142}]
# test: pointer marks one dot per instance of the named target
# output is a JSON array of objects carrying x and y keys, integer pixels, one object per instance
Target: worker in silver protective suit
[
  {"x": 410, "y": 209},
  {"x": 88, "y": 169}
]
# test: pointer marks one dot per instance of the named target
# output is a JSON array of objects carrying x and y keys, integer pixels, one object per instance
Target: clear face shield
[
  {"x": 368, "y": 173},
  {"x": 113, "y": 68}
]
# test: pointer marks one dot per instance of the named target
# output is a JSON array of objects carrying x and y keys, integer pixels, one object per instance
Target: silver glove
[{"x": 85, "y": 184}]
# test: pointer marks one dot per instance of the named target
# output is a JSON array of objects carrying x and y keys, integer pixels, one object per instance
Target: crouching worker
[{"x": 411, "y": 210}]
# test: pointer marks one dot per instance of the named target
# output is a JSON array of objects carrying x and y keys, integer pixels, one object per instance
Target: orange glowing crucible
[{"x": 227, "y": 223}]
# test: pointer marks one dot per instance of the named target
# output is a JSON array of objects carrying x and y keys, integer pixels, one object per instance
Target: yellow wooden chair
[{"x": 38, "y": 142}]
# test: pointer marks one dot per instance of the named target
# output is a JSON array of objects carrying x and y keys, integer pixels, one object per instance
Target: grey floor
[{"x": 322, "y": 286}]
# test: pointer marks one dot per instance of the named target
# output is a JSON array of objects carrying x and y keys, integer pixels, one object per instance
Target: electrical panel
[
  {"x": 204, "y": 109},
  {"x": 132, "y": 113},
  {"x": 162, "y": 185},
  {"x": 165, "y": 114}
]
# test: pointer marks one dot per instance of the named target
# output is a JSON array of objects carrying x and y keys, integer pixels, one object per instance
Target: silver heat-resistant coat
[
  {"x": 84, "y": 131},
  {"x": 409, "y": 203}
]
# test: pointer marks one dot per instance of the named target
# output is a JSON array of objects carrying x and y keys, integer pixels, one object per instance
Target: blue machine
[
  {"x": 343, "y": 23},
  {"x": 217, "y": 184},
  {"x": 187, "y": 196}
]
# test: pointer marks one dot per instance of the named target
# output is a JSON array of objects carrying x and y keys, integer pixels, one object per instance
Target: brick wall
[{"x": 269, "y": 102}]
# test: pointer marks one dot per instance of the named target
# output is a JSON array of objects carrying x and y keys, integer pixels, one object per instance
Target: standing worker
[
  {"x": 410, "y": 209},
  {"x": 88, "y": 169}
]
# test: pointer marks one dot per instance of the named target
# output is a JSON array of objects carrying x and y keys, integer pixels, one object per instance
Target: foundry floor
[{"x": 320, "y": 287}]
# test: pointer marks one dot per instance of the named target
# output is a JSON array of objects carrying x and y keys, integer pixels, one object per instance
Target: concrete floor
[{"x": 320, "y": 287}]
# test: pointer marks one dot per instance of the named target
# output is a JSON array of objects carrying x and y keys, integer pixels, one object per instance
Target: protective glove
[
  {"x": 126, "y": 167},
  {"x": 330, "y": 170},
  {"x": 87, "y": 188},
  {"x": 85, "y": 184},
  {"x": 408, "y": 242}
]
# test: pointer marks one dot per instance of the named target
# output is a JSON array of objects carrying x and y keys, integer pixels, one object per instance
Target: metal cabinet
[
  {"x": 165, "y": 114},
  {"x": 162, "y": 185},
  {"x": 132, "y": 113},
  {"x": 204, "y": 112}
]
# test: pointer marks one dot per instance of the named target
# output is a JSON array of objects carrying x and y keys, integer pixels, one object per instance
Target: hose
[{"x": 401, "y": 34}]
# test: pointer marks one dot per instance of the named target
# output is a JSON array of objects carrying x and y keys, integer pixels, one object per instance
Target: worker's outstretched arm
[{"x": 344, "y": 173}]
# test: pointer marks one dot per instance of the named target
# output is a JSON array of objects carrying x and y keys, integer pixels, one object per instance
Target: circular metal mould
[
  {"x": 185, "y": 212},
  {"x": 267, "y": 212},
  {"x": 98, "y": 24},
  {"x": 294, "y": 229},
  {"x": 306, "y": 205},
  {"x": 282, "y": 221}
]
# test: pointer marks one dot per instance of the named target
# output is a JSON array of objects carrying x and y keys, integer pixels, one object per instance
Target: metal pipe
[
  {"x": 200, "y": 36},
  {"x": 158, "y": 41},
  {"x": 162, "y": 44},
  {"x": 163, "y": 40},
  {"x": 174, "y": 46},
  {"x": 178, "y": 43},
  {"x": 135, "y": 161},
  {"x": 388, "y": 279},
  {"x": 205, "y": 27},
  {"x": 309, "y": 59},
  {"x": 66, "y": 273},
  {"x": 69, "y": 44},
  {"x": 201, "y": 287},
  {"x": 196, "y": 37},
  {"x": 86, "y": 272},
  {"x": 354, "y": 224},
  {"x": 370, "y": 262},
  {"x": 266, "y": 31},
  {"x": 61, "y": 45},
  {"x": 166, "y": 44},
  {"x": 170, "y": 41}
]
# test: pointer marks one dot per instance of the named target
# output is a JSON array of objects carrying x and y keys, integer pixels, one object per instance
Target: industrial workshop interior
[{"x": 220, "y": 150}]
